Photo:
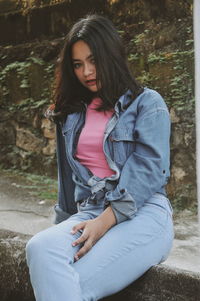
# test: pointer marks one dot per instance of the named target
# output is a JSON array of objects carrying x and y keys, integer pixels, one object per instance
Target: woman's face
[{"x": 84, "y": 65}]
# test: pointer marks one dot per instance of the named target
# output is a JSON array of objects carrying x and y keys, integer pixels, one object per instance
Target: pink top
[{"x": 90, "y": 145}]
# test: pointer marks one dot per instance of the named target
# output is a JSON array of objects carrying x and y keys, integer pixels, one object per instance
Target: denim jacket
[{"x": 136, "y": 146}]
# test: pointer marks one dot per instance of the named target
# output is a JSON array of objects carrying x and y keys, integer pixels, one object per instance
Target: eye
[
  {"x": 76, "y": 65},
  {"x": 92, "y": 60}
]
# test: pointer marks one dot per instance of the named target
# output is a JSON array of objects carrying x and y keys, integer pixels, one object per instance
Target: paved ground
[{"x": 20, "y": 211}]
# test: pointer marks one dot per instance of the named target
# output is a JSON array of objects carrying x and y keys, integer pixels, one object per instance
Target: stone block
[
  {"x": 178, "y": 173},
  {"x": 36, "y": 121},
  {"x": 160, "y": 283},
  {"x": 48, "y": 128},
  {"x": 14, "y": 284},
  {"x": 7, "y": 134},
  {"x": 28, "y": 141},
  {"x": 50, "y": 148},
  {"x": 173, "y": 115}
]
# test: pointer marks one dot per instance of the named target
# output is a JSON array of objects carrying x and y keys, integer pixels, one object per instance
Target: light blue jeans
[{"x": 122, "y": 255}]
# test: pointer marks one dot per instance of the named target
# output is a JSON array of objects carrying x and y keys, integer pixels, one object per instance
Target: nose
[{"x": 88, "y": 69}]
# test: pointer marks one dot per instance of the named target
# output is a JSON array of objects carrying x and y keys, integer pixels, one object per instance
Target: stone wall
[{"x": 159, "y": 40}]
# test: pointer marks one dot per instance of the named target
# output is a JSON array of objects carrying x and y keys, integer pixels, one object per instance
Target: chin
[{"x": 93, "y": 89}]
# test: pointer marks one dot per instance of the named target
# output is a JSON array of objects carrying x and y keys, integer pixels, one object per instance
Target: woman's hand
[{"x": 92, "y": 231}]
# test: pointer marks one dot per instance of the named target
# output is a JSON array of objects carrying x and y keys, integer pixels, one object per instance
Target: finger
[
  {"x": 77, "y": 227},
  {"x": 80, "y": 240},
  {"x": 87, "y": 246}
]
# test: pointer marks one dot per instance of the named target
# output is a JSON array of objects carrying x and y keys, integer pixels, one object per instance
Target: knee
[
  {"x": 36, "y": 248},
  {"x": 48, "y": 245},
  {"x": 31, "y": 249}
]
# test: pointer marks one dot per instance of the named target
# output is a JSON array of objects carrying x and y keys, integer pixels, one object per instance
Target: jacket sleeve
[
  {"x": 146, "y": 170},
  {"x": 66, "y": 205}
]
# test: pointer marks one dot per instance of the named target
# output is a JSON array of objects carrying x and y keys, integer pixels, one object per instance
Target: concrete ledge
[
  {"x": 160, "y": 283},
  {"x": 14, "y": 284}
]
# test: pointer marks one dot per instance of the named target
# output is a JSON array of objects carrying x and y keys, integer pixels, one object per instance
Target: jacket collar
[{"x": 123, "y": 102}]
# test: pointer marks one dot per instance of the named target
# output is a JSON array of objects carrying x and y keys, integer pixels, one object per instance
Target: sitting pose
[{"x": 113, "y": 218}]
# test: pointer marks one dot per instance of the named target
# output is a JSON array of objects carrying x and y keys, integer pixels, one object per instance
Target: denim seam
[{"x": 149, "y": 113}]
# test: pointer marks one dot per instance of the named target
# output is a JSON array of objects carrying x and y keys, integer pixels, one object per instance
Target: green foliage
[
  {"x": 49, "y": 69},
  {"x": 36, "y": 60},
  {"x": 180, "y": 90},
  {"x": 189, "y": 42},
  {"x": 133, "y": 57},
  {"x": 139, "y": 38},
  {"x": 27, "y": 104},
  {"x": 20, "y": 68},
  {"x": 42, "y": 187},
  {"x": 182, "y": 84},
  {"x": 21, "y": 76},
  {"x": 146, "y": 79},
  {"x": 162, "y": 57}
]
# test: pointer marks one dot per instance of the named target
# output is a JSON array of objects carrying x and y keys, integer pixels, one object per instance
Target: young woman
[{"x": 113, "y": 163}]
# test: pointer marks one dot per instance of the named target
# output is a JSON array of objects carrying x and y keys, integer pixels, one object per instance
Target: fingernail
[
  {"x": 73, "y": 244},
  {"x": 76, "y": 257},
  {"x": 72, "y": 231}
]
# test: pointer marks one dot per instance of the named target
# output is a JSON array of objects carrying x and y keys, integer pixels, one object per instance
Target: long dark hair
[{"x": 111, "y": 67}]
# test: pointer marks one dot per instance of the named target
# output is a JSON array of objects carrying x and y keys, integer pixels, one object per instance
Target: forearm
[{"x": 107, "y": 218}]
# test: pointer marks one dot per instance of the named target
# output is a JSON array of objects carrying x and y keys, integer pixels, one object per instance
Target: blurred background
[{"x": 158, "y": 36}]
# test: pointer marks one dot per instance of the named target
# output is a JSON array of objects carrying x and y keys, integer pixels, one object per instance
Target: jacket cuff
[
  {"x": 122, "y": 204},
  {"x": 61, "y": 215}
]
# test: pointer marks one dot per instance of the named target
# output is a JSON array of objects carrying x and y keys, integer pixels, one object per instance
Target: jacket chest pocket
[{"x": 123, "y": 144}]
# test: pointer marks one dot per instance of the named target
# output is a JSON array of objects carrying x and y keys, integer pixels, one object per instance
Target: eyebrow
[{"x": 89, "y": 57}]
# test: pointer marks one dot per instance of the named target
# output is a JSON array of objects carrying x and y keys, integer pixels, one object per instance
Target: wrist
[{"x": 107, "y": 218}]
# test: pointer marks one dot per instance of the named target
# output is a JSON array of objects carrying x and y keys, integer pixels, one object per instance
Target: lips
[{"x": 91, "y": 82}]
